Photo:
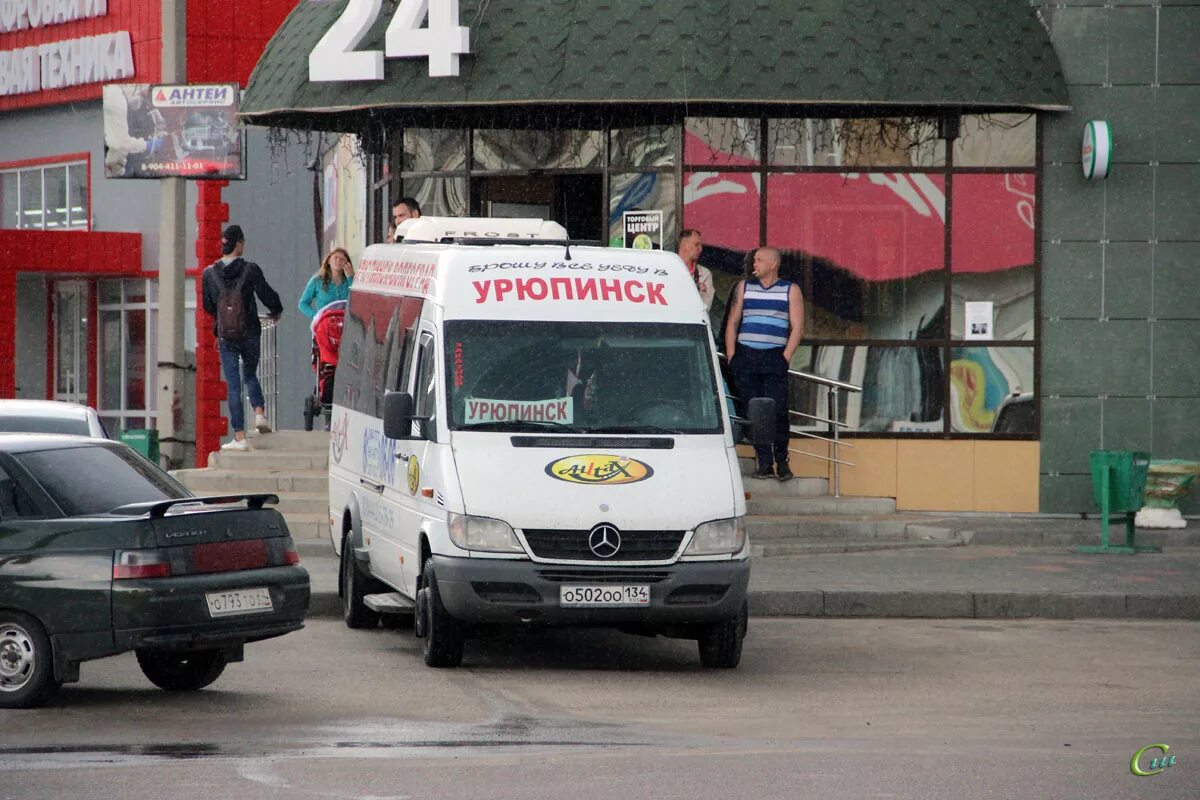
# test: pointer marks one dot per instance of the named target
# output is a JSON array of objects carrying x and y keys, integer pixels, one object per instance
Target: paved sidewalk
[{"x": 982, "y": 581}]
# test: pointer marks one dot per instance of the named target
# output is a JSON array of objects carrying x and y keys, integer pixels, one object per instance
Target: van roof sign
[{"x": 436, "y": 229}]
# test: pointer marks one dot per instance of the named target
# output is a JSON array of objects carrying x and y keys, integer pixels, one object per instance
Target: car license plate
[
  {"x": 601, "y": 596},
  {"x": 241, "y": 601}
]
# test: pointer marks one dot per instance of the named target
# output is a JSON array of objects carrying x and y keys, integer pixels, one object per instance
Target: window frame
[{"x": 64, "y": 162}]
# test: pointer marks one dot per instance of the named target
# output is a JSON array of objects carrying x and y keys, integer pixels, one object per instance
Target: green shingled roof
[{"x": 991, "y": 54}]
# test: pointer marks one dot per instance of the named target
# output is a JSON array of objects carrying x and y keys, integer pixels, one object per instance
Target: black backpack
[{"x": 231, "y": 308}]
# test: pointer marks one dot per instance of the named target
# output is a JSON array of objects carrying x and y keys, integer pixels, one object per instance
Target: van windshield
[{"x": 581, "y": 377}]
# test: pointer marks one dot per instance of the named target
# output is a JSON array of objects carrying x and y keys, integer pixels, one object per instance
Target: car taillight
[
  {"x": 133, "y": 564},
  {"x": 290, "y": 556}
]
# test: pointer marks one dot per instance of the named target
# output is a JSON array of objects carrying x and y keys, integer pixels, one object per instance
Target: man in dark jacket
[{"x": 229, "y": 287}]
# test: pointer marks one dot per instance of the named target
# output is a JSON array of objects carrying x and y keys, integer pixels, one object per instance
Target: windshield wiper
[
  {"x": 519, "y": 425},
  {"x": 636, "y": 429}
]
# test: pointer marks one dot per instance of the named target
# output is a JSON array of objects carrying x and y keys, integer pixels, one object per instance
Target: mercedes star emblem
[{"x": 605, "y": 540}]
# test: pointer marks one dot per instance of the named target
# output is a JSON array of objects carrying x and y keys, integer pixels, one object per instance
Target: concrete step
[
  {"x": 303, "y": 503},
  {"x": 818, "y": 505},
  {"x": 236, "y": 481},
  {"x": 308, "y": 527},
  {"x": 796, "y": 487},
  {"x": 798, "y": 548},
  {"x": 311, "y": 441},
  {"x": 278, "y": 460}
]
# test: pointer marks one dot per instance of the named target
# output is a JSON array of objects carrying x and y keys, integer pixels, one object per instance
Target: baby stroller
[{"x": 326, "y": 339}]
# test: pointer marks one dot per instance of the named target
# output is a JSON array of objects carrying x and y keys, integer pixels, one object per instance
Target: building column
[
  {"x": 211, "y": 214},
  {"x": 8, "y": 335}
]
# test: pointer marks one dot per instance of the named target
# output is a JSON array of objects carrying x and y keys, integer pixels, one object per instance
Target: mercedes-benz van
[{"x": 531, "y": 432}]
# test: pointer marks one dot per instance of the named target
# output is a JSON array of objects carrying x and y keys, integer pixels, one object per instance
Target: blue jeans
[{"x": 247, "y": 352}]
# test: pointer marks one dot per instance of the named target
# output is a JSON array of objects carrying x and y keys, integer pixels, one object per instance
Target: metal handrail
[
  {"x": 268, "y": 374},
  {"x": 834, "y": 422}
]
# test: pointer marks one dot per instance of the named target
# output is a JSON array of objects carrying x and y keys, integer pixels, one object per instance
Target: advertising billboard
[{"x": 173, "y": 131}]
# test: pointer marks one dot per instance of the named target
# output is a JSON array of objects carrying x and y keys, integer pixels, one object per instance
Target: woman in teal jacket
[{"x": 332, "y": 282}]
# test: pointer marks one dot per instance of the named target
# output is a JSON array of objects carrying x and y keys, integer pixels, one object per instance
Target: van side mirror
[
  {"x": 397, "y": 415},
  {"x": 761, "y": 413}
]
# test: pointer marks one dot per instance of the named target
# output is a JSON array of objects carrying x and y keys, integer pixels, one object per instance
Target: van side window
[
  {"x": 376, "y": 349},
  {"x": 425, "y": 385}
]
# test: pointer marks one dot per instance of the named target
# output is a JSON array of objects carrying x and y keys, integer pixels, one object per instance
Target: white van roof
[
  {"x": 528, "y": 273},
  {"x": 435, "y": 229}
]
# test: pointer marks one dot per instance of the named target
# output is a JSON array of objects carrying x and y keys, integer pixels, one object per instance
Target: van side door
[{"x": 420, "y": 494}]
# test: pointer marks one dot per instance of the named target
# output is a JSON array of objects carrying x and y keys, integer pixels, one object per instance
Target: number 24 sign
[{"x": 442, "y": 41}]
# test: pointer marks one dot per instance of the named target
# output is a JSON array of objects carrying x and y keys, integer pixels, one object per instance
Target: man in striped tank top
[{"x": 766, "y": 320}]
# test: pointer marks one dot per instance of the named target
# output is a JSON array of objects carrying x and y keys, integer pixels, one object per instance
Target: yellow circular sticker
[
  {"x": 414, "y": 474},
  {"x": 643, "y": 242},
  {"x": 599, "y": 469}
]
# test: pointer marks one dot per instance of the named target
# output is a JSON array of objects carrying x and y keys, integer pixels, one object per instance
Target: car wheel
[
  {"x": 721, "y": 642},
  {"x": 181, "y": 672},
  {"x": 443, "y": 633},
  {"x": 355, "y": 586},
  {"x": 26, "y": 662}
]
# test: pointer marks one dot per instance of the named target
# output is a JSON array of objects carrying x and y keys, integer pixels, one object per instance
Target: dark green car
[{"x": 101, "y": 552}]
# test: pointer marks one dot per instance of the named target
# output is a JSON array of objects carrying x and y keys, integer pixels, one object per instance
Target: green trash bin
[
  {"x": 144, "y": 441},
  {"x": 1118, "y": 485}
]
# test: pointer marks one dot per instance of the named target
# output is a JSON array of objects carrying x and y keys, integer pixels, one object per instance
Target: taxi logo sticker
[
  {"x": 594, "y": 469},
  {"x": 414, "y": 474}
]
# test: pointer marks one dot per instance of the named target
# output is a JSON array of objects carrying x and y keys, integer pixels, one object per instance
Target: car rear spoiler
[{"x": 157, "y": 509}]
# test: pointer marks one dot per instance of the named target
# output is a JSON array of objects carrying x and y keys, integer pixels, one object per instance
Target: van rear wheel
[
  {"x": 443, "y": 633},
  {"x": 721, "y": 642},
  {"x": 355, "y": 586}
]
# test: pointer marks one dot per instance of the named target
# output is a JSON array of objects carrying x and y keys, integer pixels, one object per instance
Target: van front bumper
[{"x": 480, "y": 590}]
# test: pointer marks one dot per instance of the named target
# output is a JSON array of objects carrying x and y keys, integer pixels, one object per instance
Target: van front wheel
[
  {"x": 721, "y": 642},
  {"x": 443, "y": 633}
]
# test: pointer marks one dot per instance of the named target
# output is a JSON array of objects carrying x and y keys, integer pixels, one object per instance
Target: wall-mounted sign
[
  {"x": 977, "y": 320},
  {"x": 643, "y": 229},
  {"x": 1097, "y": 149},
  {"x": 442, "y": 41},
  {"x": 172, "y": 131}
]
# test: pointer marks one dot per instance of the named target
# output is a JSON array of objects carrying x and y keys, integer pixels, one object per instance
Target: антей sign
[{"x": 60, "y": 64}]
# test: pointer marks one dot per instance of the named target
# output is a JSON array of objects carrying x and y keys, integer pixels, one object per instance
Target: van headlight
[
  {"x": 484, "y": 534},
  {"x": 720, "y": 537}
]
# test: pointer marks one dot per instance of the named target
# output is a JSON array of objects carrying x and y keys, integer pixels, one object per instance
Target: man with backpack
[{"x": 229, "y": 287}]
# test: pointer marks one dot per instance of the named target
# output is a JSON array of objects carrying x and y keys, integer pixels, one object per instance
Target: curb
[{"x": 929, "y": 605}]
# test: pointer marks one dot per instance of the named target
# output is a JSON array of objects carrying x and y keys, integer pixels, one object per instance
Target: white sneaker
[
  {"x": 261, "y": 423},
  {"x": 241, "y": 445}
]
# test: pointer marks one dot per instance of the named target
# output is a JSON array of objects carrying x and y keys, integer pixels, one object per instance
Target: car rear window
[
  {"x": 75, "y": 427},
  {"x": 96, "y": 479}
]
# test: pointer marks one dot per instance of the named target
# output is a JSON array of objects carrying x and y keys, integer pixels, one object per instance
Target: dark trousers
[
  {"x": 764, "y": 373},
  {"x": 239, "y": 357}
]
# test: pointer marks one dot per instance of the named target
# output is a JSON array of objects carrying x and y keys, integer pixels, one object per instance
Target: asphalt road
[{"x": 820, "y": 708}]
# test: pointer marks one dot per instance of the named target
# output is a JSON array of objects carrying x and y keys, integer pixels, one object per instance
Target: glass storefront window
[
  {"x": 77, "y": 181},
  {"x": 996, "y": 140},
  {"x": 721, "y": 140},
  {"x": 643, "y": 147},
  {"x": 31, "y": 199},
  {"x": 642, "y": 191},
  {"x": 135, "y": 359},
  {"x": 879, "y": 142},
  {"x": 991, "y": 390},
  {"x": 110, "y": 359},
  {"x": 10, "y": 212},
  {"x": 433, "y": 150},
  {"x": 874, "y": 245},
  {"x": 537, "y": 149},
  {"x": 992, "y": 250},
  {"x": 439, "y": 197},
  {"x": 56, "y": 198},
  {"x": 903, "y": 387}
]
